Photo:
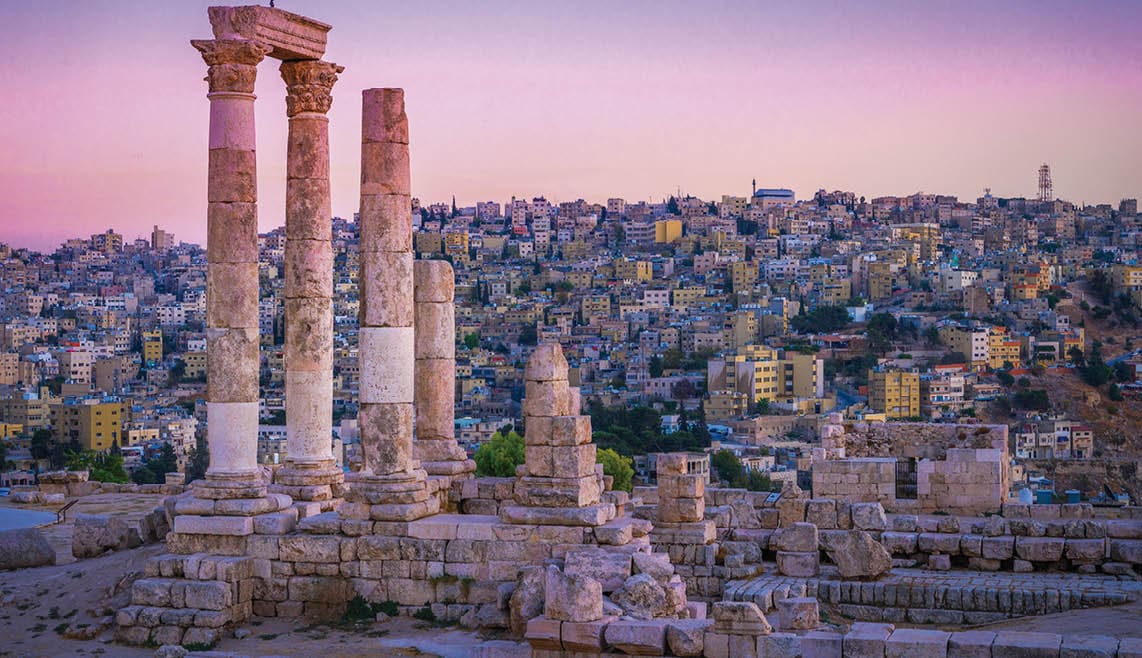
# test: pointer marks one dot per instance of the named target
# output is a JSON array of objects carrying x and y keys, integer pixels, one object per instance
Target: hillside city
[{"x": 692, "y": 324}]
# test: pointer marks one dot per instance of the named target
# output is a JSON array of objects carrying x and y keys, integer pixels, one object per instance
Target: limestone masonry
[{"x": 554, "y": 557}]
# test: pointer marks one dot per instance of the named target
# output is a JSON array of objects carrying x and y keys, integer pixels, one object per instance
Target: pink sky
[{"x": 105, "y": 112}]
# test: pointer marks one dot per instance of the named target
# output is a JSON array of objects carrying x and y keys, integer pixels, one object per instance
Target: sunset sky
[{"x": 104, "y": 117}]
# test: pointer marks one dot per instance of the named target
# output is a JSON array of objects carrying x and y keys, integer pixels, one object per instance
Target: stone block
[
  {"x": 609, "y": 568},
  {"x": 544, "y": 633},
  {"x": 899, "y": 543},
  {"x": 234, "y": 526},
  {"x": 310, "y": 548},
  {"x": 867, "y": 640},
  {"x": 572, "y": 598},
  {"x": 798, "y": 614},
  {"x": 933, "y": 542},
  {"x": 1085, "y": 549},
  {"x": 739, "y": 618},
  {"x": 387, "y": 223},
  {"x": 586, "y": 636},
  {"x": 208, "y": 595},
  {"x": 798, "y": 564},
  {"x": 822, "y": 513},
  {"x": 1016, "y": 644},
  {"x": 1088, "y": 646},
  {"x": 869, "y": 516},
  {"x": 970, "y": 644},
  {"x": 1039, "y": 549},
  {"x": 387, "y": 367},
  {"x": 686, "y": 637},
  {"x": 798, "y": 537},
  {"x": 998, "y": 548},
  {"x": 916, "y": 643},
  {"x": 822, "y": 644},
  {"x": 937, "y": 562},
  {"x": 638, "y": 638},
  {"x": 1130, "y": 647}
]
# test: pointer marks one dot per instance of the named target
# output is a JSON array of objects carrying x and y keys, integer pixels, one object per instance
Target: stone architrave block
[
  {"x": 214, "y": 525},
  {"x": 639, "y": 638}
]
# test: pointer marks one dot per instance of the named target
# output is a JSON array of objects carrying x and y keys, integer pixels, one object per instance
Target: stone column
[
  {"x": 435, "y": 393},
  {"x": 310, "y": 469},
  {"x": 391, "y": 486},
  {"x": 232, "y": 271}
]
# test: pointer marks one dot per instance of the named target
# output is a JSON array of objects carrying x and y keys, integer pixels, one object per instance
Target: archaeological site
[{"x": 904, "y": 543}]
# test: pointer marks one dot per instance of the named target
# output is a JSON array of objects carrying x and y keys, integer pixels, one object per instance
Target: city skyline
[{"x": 809, "y": 97}]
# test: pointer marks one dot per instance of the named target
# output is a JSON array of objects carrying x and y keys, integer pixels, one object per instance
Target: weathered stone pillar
[
  {"x": 391, "y": 486},
  {"x": 232, "y": 270},
  {"x": 435, "y": 393},
  {"x": 310, "y": 469}
]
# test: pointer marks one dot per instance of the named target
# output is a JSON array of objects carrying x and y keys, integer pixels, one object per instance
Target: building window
[{"x": 906, "y": 479}]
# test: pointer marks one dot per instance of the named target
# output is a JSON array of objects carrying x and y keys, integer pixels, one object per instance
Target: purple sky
[{"x": 105, "y": 113}]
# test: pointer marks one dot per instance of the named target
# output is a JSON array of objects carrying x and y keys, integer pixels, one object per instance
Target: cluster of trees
[
  {"x": 821, "y": 320},
  {"x": 731, "y": 470},
  {"x": 103, "y": 466},
  {"x": 638, "y": 430},
  {"x": 500, "y": 456}
]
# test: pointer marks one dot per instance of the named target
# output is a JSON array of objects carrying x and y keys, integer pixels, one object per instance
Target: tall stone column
[
  {"x": 391, "y": 486},
  {"x": 435, "y": 395},
  {"x": 232, "y": 271},
  {"x": 310, "y": 471}
]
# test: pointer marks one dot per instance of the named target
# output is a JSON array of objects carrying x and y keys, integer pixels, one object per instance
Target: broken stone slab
[
  {"x": 684, "y": 637},
  {"x": 576, "y": 598},
  {"x": 1017, "y": 644},
  {"x": 971, "y": 644},
  {"x": 527, "y": 599},
  {"x": 657, "y": 565},
  {"x": 609, "y": 568},
  {"x": 798, "y": 537},
  {"x": 868, "y": 516},
  {"x": 858, "y": 555},
  {"x": 642, "y": 597},
  {"x": 586, "y": 637},
  {"x": 799, "y": 613},
  {"x": 740, "y": 618}
]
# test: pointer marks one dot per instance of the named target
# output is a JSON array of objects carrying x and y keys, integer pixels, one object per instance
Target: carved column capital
[
  {"x": 309, "y": 85},
  {"x": 233, "y": 63}
]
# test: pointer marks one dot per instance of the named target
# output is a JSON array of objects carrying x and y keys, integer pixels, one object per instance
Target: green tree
[
  {"x": 655, "y": 366},
  {"x": 672, "y": 206},
  {"x": 472, "y": 340},
  {"x": 1115, "y": 393},
  {"x": 199, "y": 459},
  {"x": 528, "y": 335},
  {"x": 617, "y": 466},
  {"x": 102, "y": 466},
  {"x": 1005, "y": 378},
  {"x": 500, "y": 455},
  {"x": 41, "y": 444},
  {"x": 882, "y": 329},
  {"x": 763, "y": 406},
  {"x": 727, "y": 465}
]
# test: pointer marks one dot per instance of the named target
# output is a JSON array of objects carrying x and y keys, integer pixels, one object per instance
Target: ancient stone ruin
[{"x": 552, "y": 557}]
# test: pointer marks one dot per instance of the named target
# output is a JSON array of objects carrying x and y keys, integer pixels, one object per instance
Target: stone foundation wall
[
  {"x": 482, "y": 495},
  {"x": 966, "y": 481}
]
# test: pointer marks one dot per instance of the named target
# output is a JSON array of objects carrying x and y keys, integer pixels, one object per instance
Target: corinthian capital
[
  {"x": 309, "y": 85},
  {"x": 233, "y": 63}
]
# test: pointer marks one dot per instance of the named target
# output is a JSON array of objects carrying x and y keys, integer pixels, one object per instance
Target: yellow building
[
  {"x": 633, "y": 270},
  {"x": 1126, "y": 277},
  {"x": 152, "y": 347},
  {"x": 96, "y": 423},
  {"x": 895, "y": 393},
  {"x": 743, "y": 275},
  {"x": 1002, "y": 347},
  {"x": 195, "y": 364},
  {"x": 10, "y": 430},
  {"x": 667, "y": 230},
  {"x": 757, "y": 372}
]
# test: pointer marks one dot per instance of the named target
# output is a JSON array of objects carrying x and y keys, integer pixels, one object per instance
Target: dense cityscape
[
  {"x": 741, "y": 319},
  {"x": 771, "y": 423}
]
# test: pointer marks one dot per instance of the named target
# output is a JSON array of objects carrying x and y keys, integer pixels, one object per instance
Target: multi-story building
[
  {"x": 895, "y": 393},
  {"x": 973, "y": 342},
  {"x": 95, "y": 422}
]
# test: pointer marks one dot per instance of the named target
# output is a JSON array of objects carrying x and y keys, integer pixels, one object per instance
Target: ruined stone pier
[{"x": 435, "y": 393}]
